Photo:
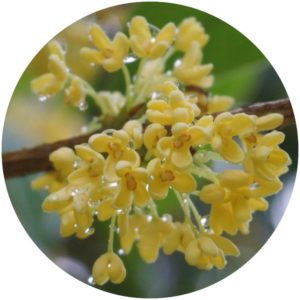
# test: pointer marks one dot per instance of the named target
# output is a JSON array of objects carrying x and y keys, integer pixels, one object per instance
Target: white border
[{"x": 26, "y": 26}]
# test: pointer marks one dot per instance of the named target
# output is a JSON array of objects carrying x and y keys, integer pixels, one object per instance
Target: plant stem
[
  {"x": 110, "y": 246},
  {"x": 196, "y": 215},
  {"x": 127, "y": 79}
]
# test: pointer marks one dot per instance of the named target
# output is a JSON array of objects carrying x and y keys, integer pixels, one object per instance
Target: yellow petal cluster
[
  {"x": 108, "y": 53},
  {"x": 144, "y": 44},
  {"x": 52, "y": 82},
  {"x": 165, "y": 151}
]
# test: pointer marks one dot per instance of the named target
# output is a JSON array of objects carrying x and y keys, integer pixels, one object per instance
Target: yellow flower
[
  {"x": 152, "y": 238},
  {"x": 107, "y": 267},
  {"x": 91, "y": 169},
  {"x": 188, "y": 31},
  {"x": 110, "y": 103},
  {"x": 177, "y": 147},
  {"x": 83, "y": 215},
  {"x": 136, "y": 224},
  {"x": 179, "y": 238},
  {"x": 269, "y": 122},
  {"x": 117, "y": 148},
  {"x": 166, "y": 175},
  {"x": 63, "y": 161},
  {"x": 190, "y": 71},
  {"x": 151, "y": 78},
  {"x": 109, "y": 54},
  {"x": 50, "y": 83},
  {"x": 132, "y": 186},
  {"x": 264, "y": 158},
  {"x": 233, "y": 201},
  {"x": 209, "y": 250},
  {"x": 152, "y": 135},
  {"x": 135, "y": 130},
  {"x": 143, "y": 44},
  {"x": 227, "y": 126},
  {"x": 176, "y": 109},
  {"x": 211, "y": 104},
  {"x": 75, "y": 93}
]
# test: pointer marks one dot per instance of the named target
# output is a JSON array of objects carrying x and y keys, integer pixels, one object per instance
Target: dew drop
[
  {"x": 74, "y": 192},
  {"x": 166, "y": 218},
  {"x": 121, "y": 252},
  {"x": 83, "y": 106},
  {"x": 120, "y": 211},
  {"x": 75, "y": 164},
  {"x": 205, "y": 221},
  {"x": 155, "y": 95},
  {"x": 44, "y": 98},
  {"x": 91, "y": 280},
  {"x": 177, "y": 63},
  {"x": 153, "y": 29},
  {"x": 109, "y": 265},
  {"x": 136, "y": 229},
  {"x": 149, "y": 218},
  {"x": 89, "y": 230},
  {"x": 130, "y": 58},
  {"x": 94, "y": 204}
]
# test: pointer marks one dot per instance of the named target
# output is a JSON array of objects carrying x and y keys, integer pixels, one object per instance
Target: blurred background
[{"x": 240, "y": 70}]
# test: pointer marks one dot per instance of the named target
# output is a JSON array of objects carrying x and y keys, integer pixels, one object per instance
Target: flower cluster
[{"x": 122, "y": 174}]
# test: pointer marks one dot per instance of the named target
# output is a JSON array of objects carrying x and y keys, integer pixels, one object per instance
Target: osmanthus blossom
[
  {"x": 143, "y": 44},
  {"x": 177, "y": 147},
  {"x": 109, "y": 53},
  {"x": 52, "y": 82},
  {"x": 164, "y": 151},
  {"x": 190, "y": 71},
  {"x": 116, "y": 146},
  {"x": 190, "y": 30}
]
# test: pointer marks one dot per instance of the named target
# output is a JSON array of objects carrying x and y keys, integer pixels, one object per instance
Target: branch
[{"x": 33, "y": 160}]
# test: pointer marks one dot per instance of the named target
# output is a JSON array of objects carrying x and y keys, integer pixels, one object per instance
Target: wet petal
[{"x": 184, "y": 182}]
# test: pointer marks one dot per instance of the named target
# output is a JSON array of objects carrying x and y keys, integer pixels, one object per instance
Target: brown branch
[{"x": 28, "y": 161}]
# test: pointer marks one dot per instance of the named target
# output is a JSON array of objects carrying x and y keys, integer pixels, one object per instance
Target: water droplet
[
  {"x": 109, "y": 265},
  {"x": 169, "y": 73},
  {"x": 177, "y": 63},
  {"x": 92, "y": 64},
  {"x": 120, "y": 211},
  {"x": 91, "y": 280},
  {"x": 75, "y": 164},
  {"x": 153, "y": 29},
  {"x": 113, "y": 184},
  {"x": 205, "y": 221},
  {"x": 149, "y": 218},
  {"x": 83, "y": 106},
  {"x": 136, "y": 229},
  {"x": 121, "y": 252},
  {"x": 166, "y": 218},
  {"x": 89, "y": 230},
  {"x": 155, "y": 95},
  {"x": 93, "y": 204},
  {"x": 117, "y": 230},
  {"x": 44, "y": 98},
  {"x": 74, "y": 192},
  {"x": 130, "y": 58}
]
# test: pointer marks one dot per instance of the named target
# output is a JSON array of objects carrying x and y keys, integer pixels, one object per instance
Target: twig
[{"x": 28, "y": 161}]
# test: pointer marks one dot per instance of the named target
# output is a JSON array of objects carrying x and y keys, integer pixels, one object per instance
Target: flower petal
[{"x": 184, "y": 182}]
